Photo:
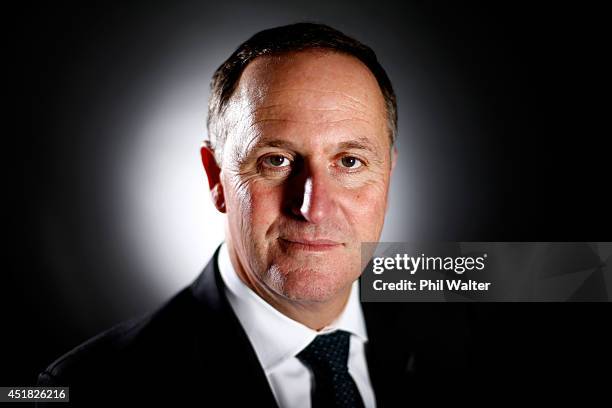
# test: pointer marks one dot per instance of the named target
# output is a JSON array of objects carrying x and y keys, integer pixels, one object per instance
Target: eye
[
  {"x": 350, "y": 162},
  {"x": 276, "y": 160}
]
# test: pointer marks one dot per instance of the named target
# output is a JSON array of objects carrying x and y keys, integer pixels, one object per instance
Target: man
[{"x": 302, "y": 126}]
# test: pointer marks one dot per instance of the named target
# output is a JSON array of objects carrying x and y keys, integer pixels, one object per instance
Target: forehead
[
  {"x": 313, "y": 90},
  {"x": 313, "y": 69}
]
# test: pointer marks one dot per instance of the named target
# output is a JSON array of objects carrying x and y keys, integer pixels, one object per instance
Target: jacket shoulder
[{"x": 127, "y": 347}]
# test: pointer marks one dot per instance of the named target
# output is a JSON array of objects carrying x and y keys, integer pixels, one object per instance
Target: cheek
[
  {"x": 365, "y": 208},
  {"x": 264, "y": 205},
  {"x": 239, "y": 205}
]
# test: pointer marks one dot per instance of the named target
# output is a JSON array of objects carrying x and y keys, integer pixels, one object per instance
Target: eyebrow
[
  {"x": 272, "y": 143},
  {"x": 362, "y": 143}
]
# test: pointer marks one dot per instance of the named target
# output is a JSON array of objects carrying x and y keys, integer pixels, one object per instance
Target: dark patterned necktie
[{"x": 327, "y": 357}]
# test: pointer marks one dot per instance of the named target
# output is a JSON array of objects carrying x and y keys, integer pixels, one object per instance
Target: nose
[{"x": 315, "y": 200}]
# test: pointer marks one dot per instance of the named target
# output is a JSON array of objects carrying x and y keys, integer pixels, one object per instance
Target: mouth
[{"x": 301, "y": 244}]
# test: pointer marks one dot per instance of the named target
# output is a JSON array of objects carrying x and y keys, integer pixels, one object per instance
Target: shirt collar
[{"x": 274, "y": 336}]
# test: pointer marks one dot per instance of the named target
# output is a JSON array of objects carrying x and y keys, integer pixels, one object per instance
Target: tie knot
[{"x": 327, "y": 352}]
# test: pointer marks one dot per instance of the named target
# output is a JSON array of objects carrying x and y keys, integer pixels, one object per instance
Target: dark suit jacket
[{"x": 193, "y": 350}]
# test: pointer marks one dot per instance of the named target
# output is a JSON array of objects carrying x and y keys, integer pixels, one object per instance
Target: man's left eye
[{"x": 350, "y": 162}]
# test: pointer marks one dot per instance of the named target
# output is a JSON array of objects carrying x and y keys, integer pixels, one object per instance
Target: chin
[{"x": 309, "y": 284}]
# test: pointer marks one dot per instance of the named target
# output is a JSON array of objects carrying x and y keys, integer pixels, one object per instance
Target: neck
[{"x": 313, "y": 314}]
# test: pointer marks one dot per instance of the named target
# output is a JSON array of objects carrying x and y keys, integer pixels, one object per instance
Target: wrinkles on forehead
[{"x": 310, "y": 105}]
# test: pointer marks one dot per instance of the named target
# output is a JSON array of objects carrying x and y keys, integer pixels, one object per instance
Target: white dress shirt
[{"x": 277, "y": 339}]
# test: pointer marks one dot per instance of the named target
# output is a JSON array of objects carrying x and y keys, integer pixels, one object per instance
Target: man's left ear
[{"x": 394, "y": 154}]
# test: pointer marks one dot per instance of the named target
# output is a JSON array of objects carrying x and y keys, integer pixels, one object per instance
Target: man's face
[{"x": 305, "y": 172}]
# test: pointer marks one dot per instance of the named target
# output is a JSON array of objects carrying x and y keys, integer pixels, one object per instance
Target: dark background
[{"x": 510, "y": 132}]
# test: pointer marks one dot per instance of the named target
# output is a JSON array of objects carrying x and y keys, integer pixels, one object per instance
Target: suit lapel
[
  {"x": 224, "y": 345},
  {"x": 413, "y": 346},
  {"x": 390, "y": 351}
]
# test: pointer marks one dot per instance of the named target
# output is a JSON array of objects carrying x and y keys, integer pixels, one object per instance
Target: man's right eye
[{"x": 276, "y": 161}]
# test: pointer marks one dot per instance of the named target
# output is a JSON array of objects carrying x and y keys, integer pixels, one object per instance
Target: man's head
[{"x": 302, "y": 121}]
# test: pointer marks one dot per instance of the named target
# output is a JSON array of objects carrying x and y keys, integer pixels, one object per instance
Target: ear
[
  {"x": 394, "y": 154},
  {"x": 213, "y": 172}
]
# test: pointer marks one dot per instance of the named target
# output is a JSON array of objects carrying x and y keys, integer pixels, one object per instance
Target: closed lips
[{"x": 321, "y": 242}]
